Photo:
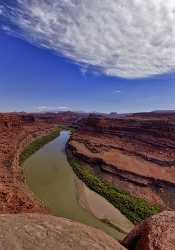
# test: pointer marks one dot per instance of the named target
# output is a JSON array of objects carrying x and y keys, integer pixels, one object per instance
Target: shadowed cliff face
[{"x": 136, "y": 153}]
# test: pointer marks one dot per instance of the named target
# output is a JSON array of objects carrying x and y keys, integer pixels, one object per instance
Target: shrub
[
  {"x": 37, "y": 144},
  {"x": 135, "y": 209}
]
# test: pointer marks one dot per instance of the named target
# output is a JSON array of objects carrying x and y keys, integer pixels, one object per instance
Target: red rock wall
[
  {"x": 16, "y": 134},
  {"x": 134, "y": 153}
]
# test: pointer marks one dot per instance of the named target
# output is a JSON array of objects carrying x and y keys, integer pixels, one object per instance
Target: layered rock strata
[
  {"x": 134, "y": 153},
  {"x": 30, "y": 230},
  {"x": 15, "y": 135}
]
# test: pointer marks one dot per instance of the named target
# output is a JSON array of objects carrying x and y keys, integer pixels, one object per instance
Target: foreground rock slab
[
  {"x": 36, "y": 232},
  {"x": 155, "y": 233}
]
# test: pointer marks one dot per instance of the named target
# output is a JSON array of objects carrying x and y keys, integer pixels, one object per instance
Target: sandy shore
[{"x": 101, "y": 208}]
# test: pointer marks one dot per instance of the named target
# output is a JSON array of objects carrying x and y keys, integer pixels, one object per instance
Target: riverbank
[
  {"x": 101, "y": 208},
  {"x": 135, "y": 209},
  {"x": 14, "y": 195},
  {"x": 109, "y": 215},
  {"x": 38, "y": 143},
  {"x": 51, "y": 179}
]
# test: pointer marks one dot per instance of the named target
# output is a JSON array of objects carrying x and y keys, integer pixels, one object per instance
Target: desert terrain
[
  {"x": 17, "y": 131},
  {"x": 135, "y": 153}
]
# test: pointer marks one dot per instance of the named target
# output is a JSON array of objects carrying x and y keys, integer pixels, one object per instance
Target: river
[{"x": 52, "y": 180}]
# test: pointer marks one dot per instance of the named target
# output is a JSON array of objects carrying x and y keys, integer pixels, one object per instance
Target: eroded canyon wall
[
  {"x": 17, "y": 130},
  {"x": 135, "y": 153}
]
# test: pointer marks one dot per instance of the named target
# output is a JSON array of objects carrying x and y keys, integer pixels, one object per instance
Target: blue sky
[{"x": 36, "y": 78}]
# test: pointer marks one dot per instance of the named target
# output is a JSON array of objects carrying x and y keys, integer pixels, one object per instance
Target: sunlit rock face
[
  {"x": 10, "y": 121},
  {"x": 36, "y": 232},
  {"x": 135, "y": 153},
  {"x": 156, "y": 233}
]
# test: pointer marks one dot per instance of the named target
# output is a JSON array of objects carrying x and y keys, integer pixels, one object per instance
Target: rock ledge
[{"x": 36, "y": 232}]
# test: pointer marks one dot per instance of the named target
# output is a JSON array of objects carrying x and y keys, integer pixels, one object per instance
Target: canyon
[
  {"x": 16, "y": 132},
  {"x": 134, "y": 152}
]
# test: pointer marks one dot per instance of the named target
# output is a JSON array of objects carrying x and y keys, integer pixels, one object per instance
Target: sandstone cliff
[
  {"x": 35, "y": 231},
  {"x": 134, "y": 153}
]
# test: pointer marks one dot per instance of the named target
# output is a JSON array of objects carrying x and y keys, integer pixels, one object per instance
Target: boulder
[
  {"x": 155, "y": 233},
  {"x": 36, "y": 232}
]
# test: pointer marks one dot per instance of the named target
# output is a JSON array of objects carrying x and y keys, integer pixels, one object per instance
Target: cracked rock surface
[
  {"x": 155, "y": 233},
  {"x": 36, "y": 232}
]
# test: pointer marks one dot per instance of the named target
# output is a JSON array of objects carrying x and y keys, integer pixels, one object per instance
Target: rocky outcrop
[
  {"x": 155, "y": 233},
  {"x": 63, "y": 118},
  {"x": 17, "y": 130},
  {"x": 152, "y": 139},
  {"x": 136, "y": 161},
  {"x": 10, "y": 121},
  {"x": 36, "y": 232},
  {"x": 15, "y": 134},
  {"x": 135, "y": 153}
]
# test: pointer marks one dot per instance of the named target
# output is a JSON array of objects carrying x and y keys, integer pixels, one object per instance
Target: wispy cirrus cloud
[
  {"x": 52, "y": 108},
  {"x": 126, "y": 38},
  {"x": 118, "y": 91}
]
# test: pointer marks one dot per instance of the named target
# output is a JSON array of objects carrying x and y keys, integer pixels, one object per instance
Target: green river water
[{"x": 52, "y": 180}]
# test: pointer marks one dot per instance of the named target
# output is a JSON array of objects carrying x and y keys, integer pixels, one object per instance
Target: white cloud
[
  {"x": 52, "y": 108},
  {"x": 63, "y": 107},
  {"x": 6, "y": 28},
  {"x": 42, "y": 107},
  {"x": 1, "y": 9},
  {"x": 118, "y": 91},
  {"x": 126, "y": 38}
]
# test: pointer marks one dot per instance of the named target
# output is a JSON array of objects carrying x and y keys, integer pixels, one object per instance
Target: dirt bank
[{"x": 101, "y": 208}]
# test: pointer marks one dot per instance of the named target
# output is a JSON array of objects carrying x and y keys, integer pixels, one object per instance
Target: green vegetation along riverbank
[
  {"x": 39, "y": 143},
  {"x": 135, "y": 209}
]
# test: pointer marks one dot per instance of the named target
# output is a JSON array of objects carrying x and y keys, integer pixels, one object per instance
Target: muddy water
[{"x": 50, "y": 177}]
